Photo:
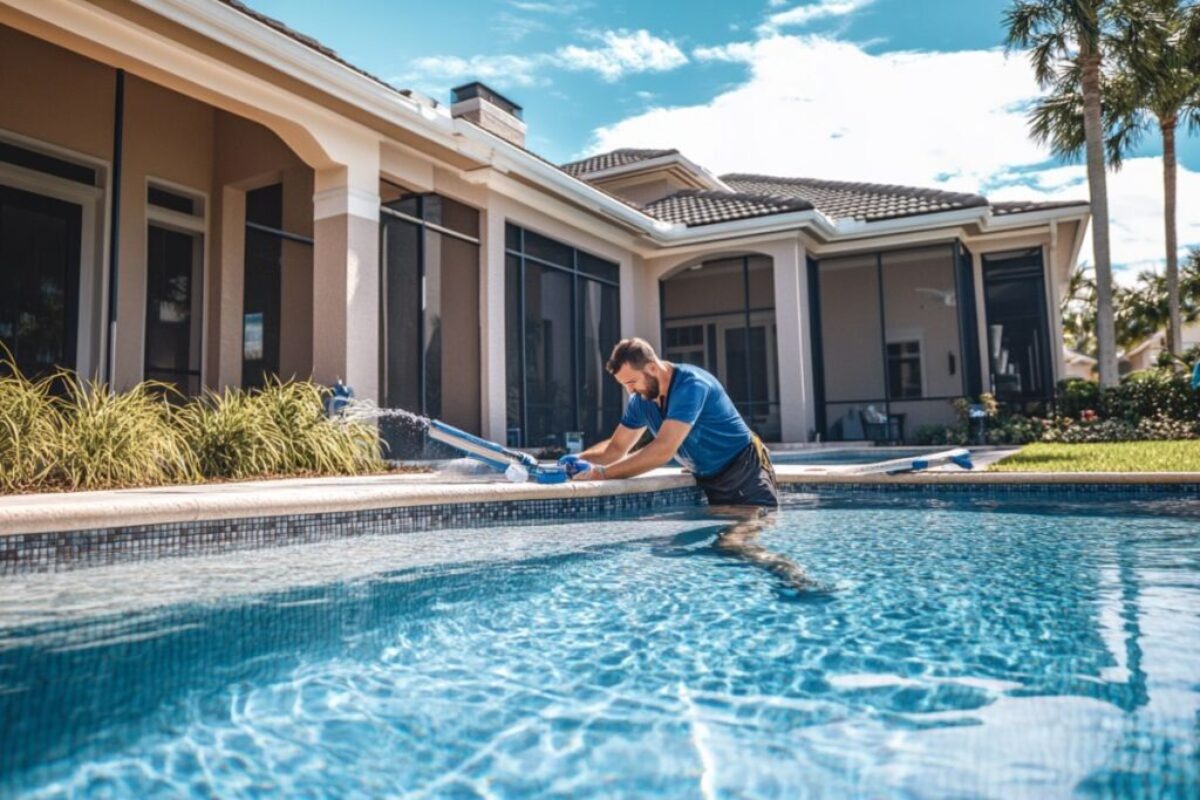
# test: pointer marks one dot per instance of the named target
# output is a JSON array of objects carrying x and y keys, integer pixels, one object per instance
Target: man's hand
[{"x": 596, "y": 473}]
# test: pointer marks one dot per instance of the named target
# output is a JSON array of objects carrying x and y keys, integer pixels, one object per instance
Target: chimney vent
[{"x": 489, "y": 110}]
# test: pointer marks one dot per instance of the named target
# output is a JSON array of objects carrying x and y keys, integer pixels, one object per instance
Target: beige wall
[{"x": 51, "y": 94}]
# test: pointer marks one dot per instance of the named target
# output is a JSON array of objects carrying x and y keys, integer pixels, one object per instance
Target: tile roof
[
  {"x": 1021, "y": 207},
  {"x": 700, "y": 207},
  {"x": 613, "y": 158},
  {"x": 860, "y": 201}
]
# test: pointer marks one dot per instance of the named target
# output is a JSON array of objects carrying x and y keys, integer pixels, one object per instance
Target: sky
[{"x": 913, "y": 92}]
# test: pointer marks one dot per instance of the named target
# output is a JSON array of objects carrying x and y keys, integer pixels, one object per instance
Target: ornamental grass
[{"x": 61, "y": 432}]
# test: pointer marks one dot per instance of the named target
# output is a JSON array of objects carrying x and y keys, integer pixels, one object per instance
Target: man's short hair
[{"x": 635, "y": 352}]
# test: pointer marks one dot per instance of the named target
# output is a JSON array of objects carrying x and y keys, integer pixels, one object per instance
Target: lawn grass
[{"x": 1172, "y": 456}]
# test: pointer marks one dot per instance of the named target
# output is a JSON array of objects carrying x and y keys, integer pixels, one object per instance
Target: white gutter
[{"x": 224, "y": 24}]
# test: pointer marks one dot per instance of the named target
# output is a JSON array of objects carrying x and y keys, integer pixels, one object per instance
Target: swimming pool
[
  {"x": 849, "y": 456},
  {"x": 960, "y": 647}
]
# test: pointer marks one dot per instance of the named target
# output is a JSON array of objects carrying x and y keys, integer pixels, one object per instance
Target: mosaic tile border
[
  {"x": 57, "y": 551},
  {"x": 1058, "y": 491},
  {"x": 52, "y": 552}
]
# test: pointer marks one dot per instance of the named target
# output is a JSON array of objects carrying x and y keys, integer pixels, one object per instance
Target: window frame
[{"x": 195, "y": 225}]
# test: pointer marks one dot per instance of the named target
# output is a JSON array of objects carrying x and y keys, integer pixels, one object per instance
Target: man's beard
[{"x": 652, "y": 388}]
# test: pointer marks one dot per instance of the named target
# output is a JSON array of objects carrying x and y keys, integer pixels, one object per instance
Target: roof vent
[{"x": 490, "y": 110}]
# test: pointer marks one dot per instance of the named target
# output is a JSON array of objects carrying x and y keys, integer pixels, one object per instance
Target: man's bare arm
[
  {"x": 614, "y": 448},
  {"x": 652, "y": 456}
]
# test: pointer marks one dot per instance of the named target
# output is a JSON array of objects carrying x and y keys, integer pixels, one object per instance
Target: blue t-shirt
[{"x": 695, "y": 397}]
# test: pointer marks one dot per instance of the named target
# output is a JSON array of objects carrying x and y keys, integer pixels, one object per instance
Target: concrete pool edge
[{"x": 82, "y": 511}]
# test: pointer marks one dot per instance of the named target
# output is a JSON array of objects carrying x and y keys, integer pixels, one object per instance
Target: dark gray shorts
[{"x": 748, "y": 480}]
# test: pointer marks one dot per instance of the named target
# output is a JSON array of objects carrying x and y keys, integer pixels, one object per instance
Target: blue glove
[{"x": 573, "y": 464}]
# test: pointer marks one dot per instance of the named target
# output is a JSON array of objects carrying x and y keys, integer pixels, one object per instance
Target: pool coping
[{"x": 82, "y": 511}]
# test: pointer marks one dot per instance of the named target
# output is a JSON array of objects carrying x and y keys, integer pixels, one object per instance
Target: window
[
  {"x": 430, "y": 323},
  {"x": 40, "y": 239},
  {"x": 563, "y": 312},
  {"x": 904, "y": 370},
  {"x": 275, "y": 260},
  {"x": 174, "y": 288}
]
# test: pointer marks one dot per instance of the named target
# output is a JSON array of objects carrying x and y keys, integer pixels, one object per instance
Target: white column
[
  {"x": 492, "y": 328},
  {"x": 232, "y": 287},
  {"x": 346, "y": 276},
  {"x": 796, "y": 410}
]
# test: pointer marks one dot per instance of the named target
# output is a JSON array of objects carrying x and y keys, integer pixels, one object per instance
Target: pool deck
[{"x": 79, "y": 511}]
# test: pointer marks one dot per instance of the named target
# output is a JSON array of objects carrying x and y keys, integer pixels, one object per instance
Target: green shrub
[
  {"x": 1151, "y": 393},
  {"x": 110, "y": 439},
  {"x": 29, "y": 425},
  {"x": 1076, "y": 395},
  {"x": 1094, "y": 431}
]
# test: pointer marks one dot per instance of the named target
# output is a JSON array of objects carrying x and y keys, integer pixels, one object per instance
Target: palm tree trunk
[
  {"x": 1174, "y": 332},
  {"x": 1098, "y": 196}
]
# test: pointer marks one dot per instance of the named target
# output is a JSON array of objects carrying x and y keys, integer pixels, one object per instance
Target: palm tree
[
  {"x": 1065, "y": 40},
  {"x": 1160, "y": 85},
  {"x": 1079, "y": 311},
  {"x": 1145, "y": 309}
]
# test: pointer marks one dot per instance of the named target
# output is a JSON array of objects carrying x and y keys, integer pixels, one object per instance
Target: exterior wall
[{"x": 55, "y": 96}]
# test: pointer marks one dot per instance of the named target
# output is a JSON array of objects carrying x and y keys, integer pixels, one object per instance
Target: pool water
[
  {"x": 954, "y": 648},
  {"x": 848, "y": 457}
]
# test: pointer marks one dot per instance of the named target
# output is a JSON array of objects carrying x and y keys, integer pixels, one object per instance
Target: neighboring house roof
[
  {"x": 859, "y": 201},
  {"x": 697, "y": 207},
  {"x": 1076, "y": 357},
  {"x": 611, "y": 159}
]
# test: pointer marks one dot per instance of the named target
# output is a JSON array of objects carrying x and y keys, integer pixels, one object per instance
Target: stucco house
[{"x": 192, "y": 192}]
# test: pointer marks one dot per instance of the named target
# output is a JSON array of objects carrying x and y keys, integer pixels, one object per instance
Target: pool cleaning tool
[
  {"x": 960, "y": 457},
  {"x": 518, "y": 467}
]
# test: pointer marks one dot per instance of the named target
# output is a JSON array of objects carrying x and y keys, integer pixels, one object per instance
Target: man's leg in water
[{"x": 740, "y": 540}]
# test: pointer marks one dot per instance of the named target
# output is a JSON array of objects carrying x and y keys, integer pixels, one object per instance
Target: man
[{"x": 692, "y": 420}]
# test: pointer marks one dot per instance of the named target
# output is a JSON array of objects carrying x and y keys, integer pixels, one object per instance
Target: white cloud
[
  {"x": 619, "y": 53},
  {"x": 822, "y": 108},
  {"x": 804, "y": 14},
  {"x": 502, "y": 70},
  {"x": 544, "y": 8},
  {"x": 622, "y": 53}
]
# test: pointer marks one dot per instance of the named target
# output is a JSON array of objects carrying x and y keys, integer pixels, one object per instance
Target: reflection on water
[{"x": 971, "y": 649}]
